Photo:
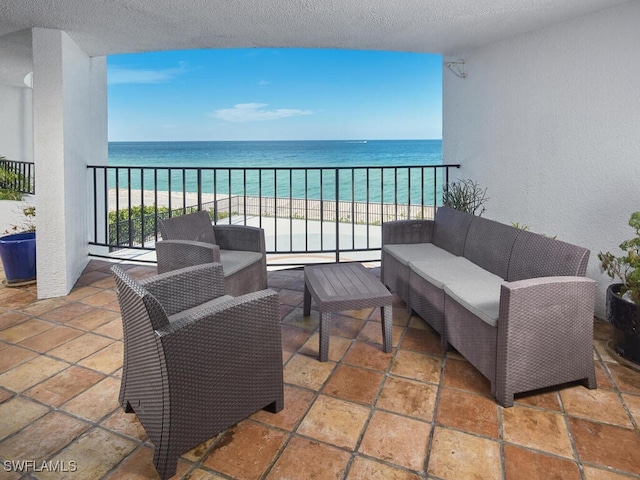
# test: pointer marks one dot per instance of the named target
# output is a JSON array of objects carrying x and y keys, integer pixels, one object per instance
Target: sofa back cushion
[
  {"x": 450, "y": 230},
  {"x": 536, "y": 256},
  {"x": 489, "y": 245}
]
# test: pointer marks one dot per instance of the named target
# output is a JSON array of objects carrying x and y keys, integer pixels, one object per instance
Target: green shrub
[
  {"x": 9, "y": 179},
  {"x": 126, "y": 228}
]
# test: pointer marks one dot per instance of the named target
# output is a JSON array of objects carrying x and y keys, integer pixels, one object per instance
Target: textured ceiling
[{"x": 103, "y": 27}]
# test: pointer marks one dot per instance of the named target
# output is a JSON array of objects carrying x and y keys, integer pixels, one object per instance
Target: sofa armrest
[
  {"x": 188, "y": 287},
  {"x": 407, "y": 231},
  {"x": 240, "y": 237},
  {"x": 545, "y": 333},
  {"x": 175, "y": 254}
]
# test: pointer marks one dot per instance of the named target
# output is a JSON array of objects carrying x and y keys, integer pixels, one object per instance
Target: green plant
[
  {"x": 526, "y": 227},
  {"x": 8, "y": 179},
  {"x": 29, "y": 222},
  {"x": 128, "y": 224},
  {"x": 519, "y": 227},
  {"x": 466, "y": 196},
  {"x": 626, "y": 267}
]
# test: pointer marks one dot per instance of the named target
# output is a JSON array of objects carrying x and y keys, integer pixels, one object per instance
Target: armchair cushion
[{"x": 236, "y": 260}]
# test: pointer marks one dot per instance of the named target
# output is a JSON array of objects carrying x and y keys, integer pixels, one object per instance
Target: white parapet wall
[{"x": 11, "y": 213}]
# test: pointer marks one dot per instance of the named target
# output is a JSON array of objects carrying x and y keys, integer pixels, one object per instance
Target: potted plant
[
  {"x": 623, "y": 299},
  {"x": 466, "y": 196},
  {"x": 18, "y": 251},
  {"x": 18, "y": 245}
]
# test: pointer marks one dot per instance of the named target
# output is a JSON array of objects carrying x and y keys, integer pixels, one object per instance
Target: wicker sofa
[{"x": 515, "y": 304}]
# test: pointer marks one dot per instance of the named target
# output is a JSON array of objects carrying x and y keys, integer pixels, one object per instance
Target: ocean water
[{"x": 315, "y": 164}]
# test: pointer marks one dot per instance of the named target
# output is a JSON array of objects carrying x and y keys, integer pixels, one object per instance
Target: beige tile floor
[{"x": 417, "y": 412}]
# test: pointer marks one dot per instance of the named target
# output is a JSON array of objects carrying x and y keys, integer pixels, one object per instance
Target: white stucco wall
[
  {"x": 69, "y": 120},
  {"x": 549, "y": 122},
  {"x": 16, "y": 123}
]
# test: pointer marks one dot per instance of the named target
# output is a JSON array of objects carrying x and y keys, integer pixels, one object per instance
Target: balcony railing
[
  {"x": 315, "y": 211},
  {"x": 18, "y": 176}
]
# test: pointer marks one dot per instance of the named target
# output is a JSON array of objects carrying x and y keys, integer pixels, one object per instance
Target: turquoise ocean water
[{"x": 322, "y": 157}]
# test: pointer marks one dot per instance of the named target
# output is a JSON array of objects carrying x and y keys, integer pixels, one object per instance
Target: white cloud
[
  {"x": 123, "y": 75},
  {"x": 255, "y": 112},
  {"x": 262, "y": 83}
]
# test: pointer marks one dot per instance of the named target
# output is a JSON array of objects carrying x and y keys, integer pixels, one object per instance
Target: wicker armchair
[
  {"x": 192, "y": 240},
  {"x": 196, "y": 361}
]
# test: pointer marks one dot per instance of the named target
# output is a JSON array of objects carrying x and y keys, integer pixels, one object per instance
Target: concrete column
[{"x": 70, "y": 131}]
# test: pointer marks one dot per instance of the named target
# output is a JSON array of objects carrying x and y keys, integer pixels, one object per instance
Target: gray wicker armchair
[
  {"x": 192, "y": 240},
  {"x": 196, "y": 361}
]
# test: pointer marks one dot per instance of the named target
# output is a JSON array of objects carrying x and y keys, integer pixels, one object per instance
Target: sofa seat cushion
[
  {"x": 478, "y": 293},
  {"x": 410, "y": 252},
  {"x": 441, "y": 271},
  {"x": 235, "y": 260}
]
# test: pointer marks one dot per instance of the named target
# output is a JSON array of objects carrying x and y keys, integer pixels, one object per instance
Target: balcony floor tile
[{"x": 417, "y": 412}]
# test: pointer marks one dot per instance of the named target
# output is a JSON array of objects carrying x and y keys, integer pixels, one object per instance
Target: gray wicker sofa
[{"x": 514, "y": 303}]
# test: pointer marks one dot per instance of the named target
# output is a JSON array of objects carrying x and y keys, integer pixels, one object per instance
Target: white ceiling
[{"x": 103, "y": 27}]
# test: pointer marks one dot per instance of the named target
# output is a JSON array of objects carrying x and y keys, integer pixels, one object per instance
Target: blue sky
[{"x": 274, "y": 94}]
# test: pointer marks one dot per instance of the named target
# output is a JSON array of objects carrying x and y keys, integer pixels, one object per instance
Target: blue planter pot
[{"x": 18, "y": 253}]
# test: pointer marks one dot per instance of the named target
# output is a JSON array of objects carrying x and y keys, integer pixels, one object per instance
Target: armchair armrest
[
  {"x": 545, "y": 333},
  {"x": 407, "y": 231},
  {"x": 175, "y": 254},
  {"x": 240, "y": 237},
  {"x": 237, "y": 313},
  {"x": 187, "y": 287}
]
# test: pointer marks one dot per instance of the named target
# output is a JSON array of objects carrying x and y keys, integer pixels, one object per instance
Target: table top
[{"x": 345, "y": 286}]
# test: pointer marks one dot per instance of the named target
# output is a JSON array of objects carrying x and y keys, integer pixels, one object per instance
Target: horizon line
[{"x": 286, "y": 140}]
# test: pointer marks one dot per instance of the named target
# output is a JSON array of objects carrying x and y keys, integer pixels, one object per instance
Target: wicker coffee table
[{"x": 345, "y": 286}]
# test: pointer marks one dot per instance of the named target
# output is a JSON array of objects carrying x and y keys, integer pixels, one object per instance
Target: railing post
[{"x": 337, "y": 196}]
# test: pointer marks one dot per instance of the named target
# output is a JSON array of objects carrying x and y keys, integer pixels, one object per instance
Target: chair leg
[
  {"x": 590, "y": 381},
  {"x": 444, "y": 343},
  {"x": 126, "y": 406},
  {"x": 165, "y": 462},
  {"x": 276, "y": 406},
  {"x": 505, "y": 397}
]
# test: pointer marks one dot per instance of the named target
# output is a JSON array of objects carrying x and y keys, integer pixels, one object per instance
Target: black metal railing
[
  {"x": 17, "y": 176},
  {"x": 302, "y": 210}
]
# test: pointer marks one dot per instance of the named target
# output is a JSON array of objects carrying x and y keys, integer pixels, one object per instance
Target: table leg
[
  {"x": 325, "y": 326},
  {"x": 306, "y": 305},
  {"x": 387, "y": 326}
]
